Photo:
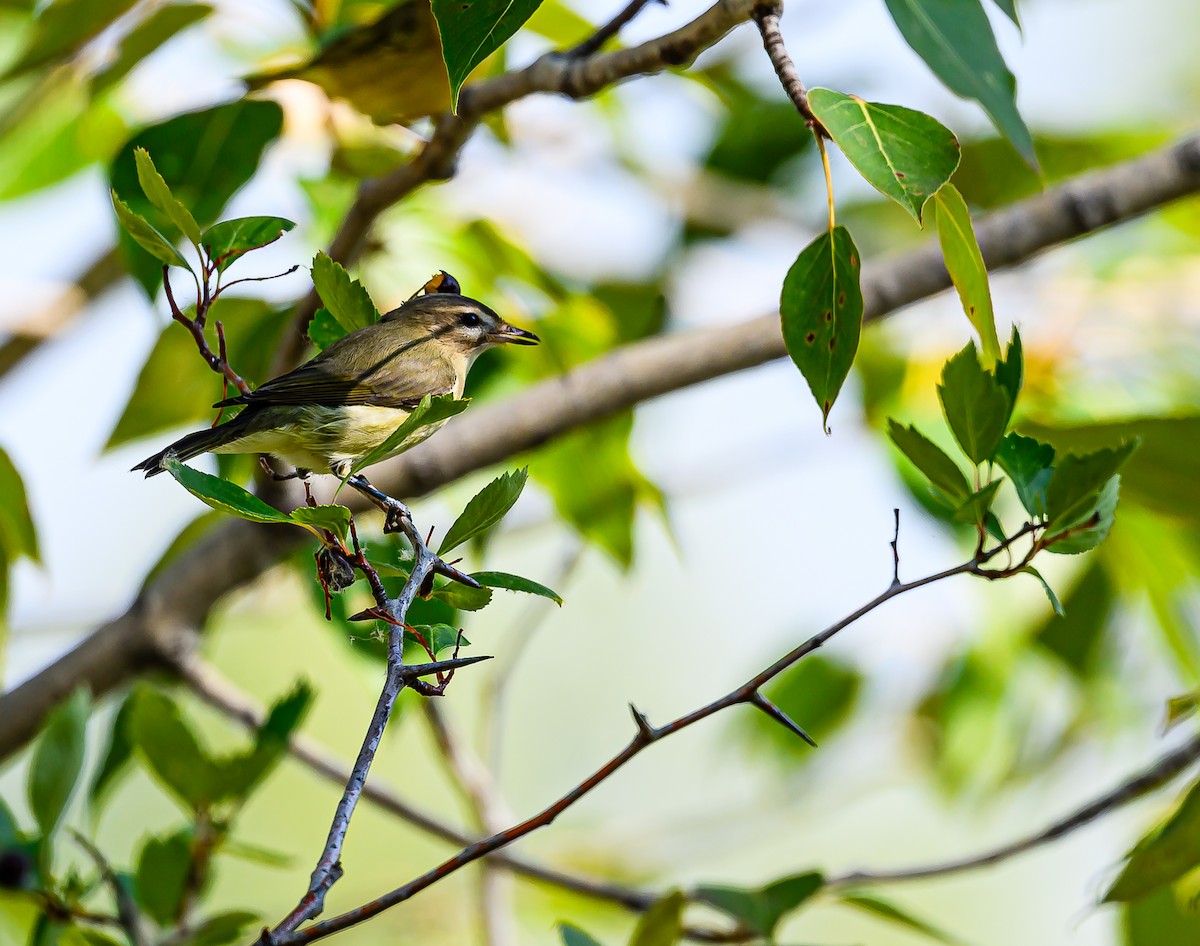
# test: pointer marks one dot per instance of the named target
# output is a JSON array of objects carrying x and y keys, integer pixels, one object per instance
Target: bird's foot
[{"x": 397, "y": 518}]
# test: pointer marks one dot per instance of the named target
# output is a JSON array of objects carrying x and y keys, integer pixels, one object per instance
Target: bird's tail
[{"x": 193, "y": 445}]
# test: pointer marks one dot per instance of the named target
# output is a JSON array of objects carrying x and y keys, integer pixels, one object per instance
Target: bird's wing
[{"x": 398, "y": 379}]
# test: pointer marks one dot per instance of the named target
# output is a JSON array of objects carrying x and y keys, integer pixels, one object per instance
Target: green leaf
[
  {"x": 9, "y": 832},
  {"x": 1050, "y": 595},
  {"x": 88, "y": 937},
  {"x": 1075, "y": 634},
  {"x": 345, "y": 298},
  {"x": 486, "y": 508},
  {"x": 170, "y": 748},
  {"x": 18, "y": 535},
  {"x": 1010, "y": 370},
  {"x": 474, "y": 30},
  {"x": 889, "y": 911},
  {"x": 904, "y": 154},
  {"x": 242, "y": 773},
  {"x": 205, "y": 157},
  {"x": 976, "y": 405},
  {"x": 976, "y": 508},
  {"x": 62, "y": 28},
  {"x": 229, "y": 240},
  {"x": 252, "y": 330},
  {"x": 462, "y": 598},
  {"x": 222, "y": 929},
  {"x": 1164, "y": 855},
  {"x": 662, "y": 924},
  {"x": 762, "y": 909},
  {"x": 819, "y": 693},
  {"x": 955, "y": 39},
  {"x": 324, "y": 329},
  {"x": 334, "y": 517},
  {"x": 1029, "y": 464},
  {"x": 224, "y": 495},
  {"x": 821, "y": 308},
  {"x": 967, "y": 270},
  {"x": 116, "y": 755},
  {"x": 158, "y": 26},
  {"x": 148, "y": 238},
  {"x": 159, "y": 194},
  {"x": 439, "y": 637},
  {"x": 516, "y": 583},
  {"x": 1100, "y": 515},
  {"x": 432, "y": 412},
  {"x": 256, "y": 854},
  {"x": 57, "y": 761},
  {"x": 573, "y": 936},
  {"x": 162, "y": 876},
  {"x": 1077, "y": 481},
  {"x": 1179, "y": 708},
  {"x": 942, "y": 472},
  {"x": 1160, "y": 918},
  {"x": 1010, "y": 10}
]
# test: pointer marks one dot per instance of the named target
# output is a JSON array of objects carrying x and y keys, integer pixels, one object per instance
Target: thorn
[
  {"x": 374, "y": 614},
  {"x": 424, "y": 670},
  {"x": 645, "y": 730},
  {"x": 896, "y": 548},
  {"x": 780, "y": 717},
  {"x": 429, "y": 538}
]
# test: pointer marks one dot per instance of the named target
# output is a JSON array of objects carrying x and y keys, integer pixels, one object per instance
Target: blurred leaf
[
  {"x": 1010, "y": 370},
  {"x": 252, "y": 331},
  {"x": 757, "y": 136},
  {"x": 241, "y": 774},
  {"x": 889, "y": 911},
  {"x": 204, "y": 156},
  {"x": 324, "y": 330},
  {"x": 1102, "y": 511},
  {"x": 1010, "y": 10},
  {"x": 574, "y": 936},
  {"x": 975, "y": 509},
  {"x": 433, "y": 410},
  {"x": 942, "y": 472},
  {"x": 9, "y": 832},
  {"x": 956, "y": 41},
  {"x": 18, "y": 536},
  {"x": 61, "y": 29},
  {"x": 661, "y": 925},
  {"x": 224, "y": 496},
  {"x": 47, "y": 932},
  {"x": 116, "y": 756},
  {"x": 1164, "y": 855},
  {"x": 1179, "y": 708},
  {"x": 58, "y": 760},
  {"x": 1075, "y": 635},
  {"x": 594, "y": 483},
  {"x": 902, "y": 153},
  {"x": 638, "y": 309},
  {"x": 439, "y": 637},
  {"x": 515, "y": 583},
  {"x": 170, "y": 748},
  {"x": 155, "y": 29},
  {"x": 1028, "y": 463},
  {"x": 222, "y": 929},
  {"x": 335, "y": 518},
  {"x": 229, "y": 240},
  {"x": 344, "y": 298},
  {"x": 88, "y": 937},
  {"x": 967, "y": 270},
  {"x": 819, "y": 693},
  {"x": 256, "y": 854},
  {"x": 163, "y": 868},
  {"x": 148, "y": 238},
  {"x": 1160, "y": 919},
  {"x": 821, "y": 308},
  {"x": 462, "y": 598},
  {"x": 976, "y": 405},
  {"x": 1076, "y": 483},
  {"x": 762, "y": 909},
  {"x": 1055, "y": 604},
  {"x": 471, "y": 32},
  {"x": 486, "y": 508},
  {"x": 159, "y": 194}
]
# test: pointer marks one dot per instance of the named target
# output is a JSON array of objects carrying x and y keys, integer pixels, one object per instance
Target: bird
[{"x": 335, "y": 409}]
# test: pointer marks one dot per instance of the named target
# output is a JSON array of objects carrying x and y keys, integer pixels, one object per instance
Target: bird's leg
[
  {"x": 305, "y": 476},
  {"x": 395, "y": 512}
]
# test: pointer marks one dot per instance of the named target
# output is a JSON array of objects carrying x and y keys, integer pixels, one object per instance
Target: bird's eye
[{"x": 470, "y": 319}]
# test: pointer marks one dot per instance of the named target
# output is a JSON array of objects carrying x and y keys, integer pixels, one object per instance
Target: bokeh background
[{"x": 952, "y": 720}]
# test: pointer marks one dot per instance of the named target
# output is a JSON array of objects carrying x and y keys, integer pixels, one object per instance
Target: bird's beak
[{"x": 512, "y": 335}]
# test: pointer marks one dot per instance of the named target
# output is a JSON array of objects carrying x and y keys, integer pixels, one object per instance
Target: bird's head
[{"x": 459, "y": 323}]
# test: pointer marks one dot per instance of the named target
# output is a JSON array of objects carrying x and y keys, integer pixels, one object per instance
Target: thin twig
[
  {"x": 767, "y": 18},
  {"x": 610, "y": 29},
  {"x": 645, "y": 736},
  {"x": 1157, "y": 775},
  {"x": 196, "y": 327},
  {"x": 128, "y": 915}
]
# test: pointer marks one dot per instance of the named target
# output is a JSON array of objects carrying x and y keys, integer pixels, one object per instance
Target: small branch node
[
  {"x": 757, "y": 699},
  {"x": 646, "y": 732}
]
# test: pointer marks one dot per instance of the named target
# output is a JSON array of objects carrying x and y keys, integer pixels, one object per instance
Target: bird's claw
[{"x": 395, "y": 519}]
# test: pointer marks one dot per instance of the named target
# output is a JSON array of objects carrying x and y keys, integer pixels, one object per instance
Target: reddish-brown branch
[{"x": 218, "y": 363}]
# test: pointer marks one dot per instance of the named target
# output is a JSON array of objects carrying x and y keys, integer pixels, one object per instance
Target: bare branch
[
  {"x": 595, "y": 42},
  {"x": 767, "y": 18}
]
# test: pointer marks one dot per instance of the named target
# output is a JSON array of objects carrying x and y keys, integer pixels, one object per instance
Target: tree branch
[{"x": 165, "y": 618}]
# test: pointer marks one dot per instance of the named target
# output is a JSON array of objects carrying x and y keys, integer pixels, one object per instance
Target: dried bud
[
  {"x": 16, "y": 870},
  {"x": 334, "y": 569}
]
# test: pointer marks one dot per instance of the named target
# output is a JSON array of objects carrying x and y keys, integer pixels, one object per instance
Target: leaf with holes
[
  {"x": 471, "y": 30},
  {"x": 904, "y": 154},
  {"x": 955, "y": 39},
  {"x": 821, "y": 308},
  {"x": 964, "y": 262}
]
